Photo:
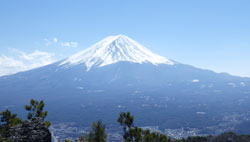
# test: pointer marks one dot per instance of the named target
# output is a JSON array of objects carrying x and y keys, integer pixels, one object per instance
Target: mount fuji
[
  {"x": 114, "y": 49},
  {"x": 118, "y": 74}
]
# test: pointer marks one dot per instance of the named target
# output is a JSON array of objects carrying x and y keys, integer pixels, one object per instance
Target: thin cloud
[
  {"x": 22, "y": 61},
  {"x": 56, "y": 42},
  {"x": 69, "y": 44}
]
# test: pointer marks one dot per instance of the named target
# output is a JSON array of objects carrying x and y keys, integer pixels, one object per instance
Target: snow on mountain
[{"x": 114, "y": 49}]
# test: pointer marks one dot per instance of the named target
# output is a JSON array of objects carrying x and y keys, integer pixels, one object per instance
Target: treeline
[
  {"x": 131, "y": 133},
  {"x": 36, "y": 129}
]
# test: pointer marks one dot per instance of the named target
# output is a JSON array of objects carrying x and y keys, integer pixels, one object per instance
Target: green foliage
[
  {"x": 35, "y": 111},
  {"x": 7, "y": 118},
  {"x": 97, "y": 134},
  {"x": 136, "y": 134},
  {"x": 197, "y": 139},
  {"x": 126, "y": 120},
  {"x": 67, "y": 140},
  {"x": 7, "y": 121},
  {"x": 154, "y": 137}
]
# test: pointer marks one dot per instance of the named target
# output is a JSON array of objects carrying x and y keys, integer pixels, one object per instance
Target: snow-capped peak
[{"x": 114, "y": 49}]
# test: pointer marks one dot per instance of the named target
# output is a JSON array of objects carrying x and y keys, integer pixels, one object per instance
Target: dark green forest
[{"x": 35, "y": 128}]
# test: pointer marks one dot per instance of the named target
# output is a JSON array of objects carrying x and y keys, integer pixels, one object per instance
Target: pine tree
[
  {"x": 97, "y": 134},
  {"x": 136, "y": 134},
  {"x": 126, "y": 120},
  {"x": 36, "y": 112},
  {"x": 7, "y": 121}
]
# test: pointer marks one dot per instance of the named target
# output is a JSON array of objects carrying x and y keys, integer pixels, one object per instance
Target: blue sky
[{"x": 210, "y": 34}]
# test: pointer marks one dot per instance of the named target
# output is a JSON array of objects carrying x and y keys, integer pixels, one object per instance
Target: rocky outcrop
[{"x": 30, "y": 131}]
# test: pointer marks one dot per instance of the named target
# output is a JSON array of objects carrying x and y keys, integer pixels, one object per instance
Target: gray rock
[{"x": 30, "y": 131}]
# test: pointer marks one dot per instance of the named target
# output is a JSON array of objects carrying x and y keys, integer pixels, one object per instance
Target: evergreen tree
[
  {"x": 97, "y": 134},
  {"x": 7, "y": 121},
  {"x": 36, "y": 112},
  {"x": 136, "y": 134},
  {"x": 126, "y": 120}
]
